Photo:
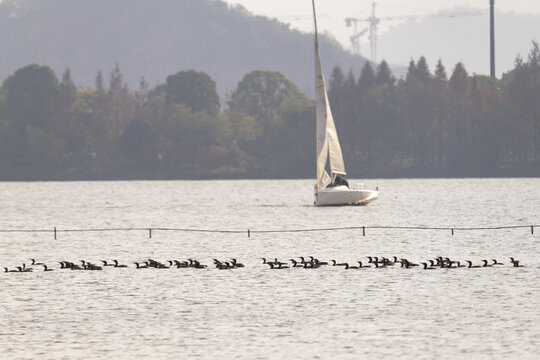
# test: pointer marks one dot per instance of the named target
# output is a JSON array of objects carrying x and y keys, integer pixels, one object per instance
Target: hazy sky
[{"x": 332, "y": 14}]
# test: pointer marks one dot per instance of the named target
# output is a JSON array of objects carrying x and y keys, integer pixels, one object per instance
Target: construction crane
[{"x": 374, "y": 21}]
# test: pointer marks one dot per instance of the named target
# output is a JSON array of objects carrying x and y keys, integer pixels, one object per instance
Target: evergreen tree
[
  {"x": 440, "y": 72},
  {"x": 367, "y": 78},
  {"x": 384, "y": 76}
]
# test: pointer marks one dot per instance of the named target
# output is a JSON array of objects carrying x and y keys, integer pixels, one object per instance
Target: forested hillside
[
  {"x": 441, "y": 123},
  {"x": 157, "y": 38},
  {"x": 158, "y": 112}
]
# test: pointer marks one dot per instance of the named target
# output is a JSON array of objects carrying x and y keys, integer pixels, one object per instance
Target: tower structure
[
  {"x": 374, "y": 21},
  {"x": 492, "y": 37}
]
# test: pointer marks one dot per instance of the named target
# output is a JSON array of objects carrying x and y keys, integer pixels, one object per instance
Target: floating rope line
[{"x": 249, "y": 231}]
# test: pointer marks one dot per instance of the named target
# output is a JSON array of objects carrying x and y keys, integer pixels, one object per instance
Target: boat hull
[{"x": 342, "y": 195}]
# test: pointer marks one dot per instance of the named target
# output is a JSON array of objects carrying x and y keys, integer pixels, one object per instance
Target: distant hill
[
  {"x": 464, "y": 39},
  {"x": 158, "y": 38}
]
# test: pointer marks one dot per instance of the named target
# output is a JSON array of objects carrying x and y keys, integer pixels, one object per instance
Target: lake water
[{"x": 258, "y": 313}]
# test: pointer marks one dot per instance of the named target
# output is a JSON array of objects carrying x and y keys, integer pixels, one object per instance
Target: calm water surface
[{"x": 257, "y": 313}]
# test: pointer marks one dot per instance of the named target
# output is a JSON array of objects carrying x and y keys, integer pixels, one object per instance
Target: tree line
[
  {"x": 51, "y": 129},
  {"x": 440, "y": 125},
  {"x": 427, "y": 124}
]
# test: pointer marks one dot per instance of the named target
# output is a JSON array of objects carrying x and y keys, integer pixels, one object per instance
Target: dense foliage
[
  {"x": 429, "y": 125},
  {"x": 423, "y": 125},
  {"x": 50, "y": 129}
]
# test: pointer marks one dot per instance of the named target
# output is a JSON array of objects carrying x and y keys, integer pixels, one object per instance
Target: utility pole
[{"x": 492, "y": 37}]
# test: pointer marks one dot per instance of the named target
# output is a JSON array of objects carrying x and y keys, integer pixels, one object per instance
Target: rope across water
[{"x": 250, "y": 232}]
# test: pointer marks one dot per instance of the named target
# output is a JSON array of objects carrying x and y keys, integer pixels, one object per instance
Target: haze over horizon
[{"x": 470, "y": 44}]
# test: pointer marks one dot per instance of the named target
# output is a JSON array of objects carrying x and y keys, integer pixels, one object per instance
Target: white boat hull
[{"x": 342, "y": 195}]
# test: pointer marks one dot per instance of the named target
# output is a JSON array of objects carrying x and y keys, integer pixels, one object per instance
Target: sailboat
[{"x": 331, "y": 187}]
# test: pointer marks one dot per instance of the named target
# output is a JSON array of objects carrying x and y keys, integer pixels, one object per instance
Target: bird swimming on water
[
  {"x": 515, "y": 262},
  {"x": 45, "y": 268},
  {"x": 139, "y": 266},
  {"x": 36, "y": 263},
  {"x": 236, "y": 264},
  {"x": 471, "y": 266},
  {"x": 486, "y": 263},
  {"x": 116, "y": 265}
]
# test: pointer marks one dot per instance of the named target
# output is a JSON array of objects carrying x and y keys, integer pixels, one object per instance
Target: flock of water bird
[
  {"x": 383, "y": 262},
  {"x": 309, "y": 262}
]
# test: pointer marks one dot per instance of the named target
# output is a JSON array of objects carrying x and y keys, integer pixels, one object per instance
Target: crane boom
[{"x": 374, "y": 21}]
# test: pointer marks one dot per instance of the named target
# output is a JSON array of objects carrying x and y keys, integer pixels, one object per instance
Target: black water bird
[
  {"x": 486, "y": 263},
  {"x": 181, "y": 264},
  {"x": 105, "y": 263},
  {"x": 156, "y": 264},
  {"x": 297, "y": 264},
  {"x": 196, "y": 264},
  {"x": 236, "y": 264},
  {"x": 23, "y": 269},
  {"x": 495, "y": 262},
  {"x": 45, "y": 268},
  {"x": 116, "y": 265},
  {"x": 73, "y": 266},
  {"x": 275, "y": 266},
  {"x": 426, "y": 267},
  {"x": 360, "y": 265},
  {"x": 93, "y": 267},
  {"x": 6, "y": 270},
  {"x": 34, "y": 263},
  {"x": 311, "y": 265},
  {"x": 471, "y": 266},
  {"x": 407, "y": 264},
  {"x": 347, "y": 267},
  {"x": 334, "y": 263},
  {"x": 222, "y": 265},
  {"x": 515, "y": 262},
  {"x": 139, "y": 266},
  {"x": 279, "y": 263}
]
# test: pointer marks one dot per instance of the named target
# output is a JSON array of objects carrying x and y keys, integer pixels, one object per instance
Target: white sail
[
  {"x": 328, "y": 148},
  {"x": 329, "y": 157}
]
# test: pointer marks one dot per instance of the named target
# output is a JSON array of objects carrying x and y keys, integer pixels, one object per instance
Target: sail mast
[
  {"x": 315, "y": 19},
  {"x": 322, "y": 144},
  {"x": 327, "y": 139}
]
